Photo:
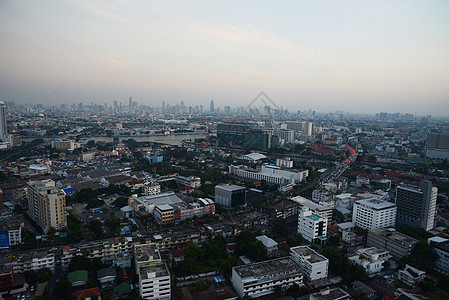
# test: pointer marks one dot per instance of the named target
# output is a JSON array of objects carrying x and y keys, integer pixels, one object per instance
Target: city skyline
[{"x": 354, "y": 57}]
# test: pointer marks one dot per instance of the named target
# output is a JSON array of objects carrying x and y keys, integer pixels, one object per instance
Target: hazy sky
[{"x": 357, "y": 56}]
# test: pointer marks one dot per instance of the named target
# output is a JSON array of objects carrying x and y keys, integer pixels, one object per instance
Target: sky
[{"x": 356, "y": 56}]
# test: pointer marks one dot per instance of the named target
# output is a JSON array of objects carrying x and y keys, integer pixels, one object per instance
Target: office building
[
  {"x": 46, "y": 204},
  {"x": 284, "y": 162},
  {"x": 164, "y": 214},
  {"x": 438, "y": 145},
  {"x": 373, "y": 213},
  {"x": 230, "y": 196},
  {"x": 3, "y": 126},
  {"x": 212, "y": 107},
  {"x": 311, "y": 226},
  {"x": 241, "y": 135},
  {"x": 397, "y": 244},
  {"x": 151, "y": 188},
  {"x": 63, "y": 145},
  {"x": 416, "y": 205},
  {"x": 260, "y": 279},
  {"x": 323, "y": 211},
  {"x": 191, "y": 181},
  {"x": 314, "y": 266}
]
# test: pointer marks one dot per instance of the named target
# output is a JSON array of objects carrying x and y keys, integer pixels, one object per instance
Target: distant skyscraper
[
  {"x": 3, "y": 128},
  {"x": 130, "y": 103},
  {"x": 212, "y": 108},
  {"x": 416, "y": 205}
]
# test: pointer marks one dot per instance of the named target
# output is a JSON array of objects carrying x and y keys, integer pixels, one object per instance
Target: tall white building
[
  {"x": 311, "y": 226},
  {"x": 371, "y": 259},
  {"x": 374, "y": 213},
  {"x": 313, "y": 265},
  {"x": 154, "y": 281}
]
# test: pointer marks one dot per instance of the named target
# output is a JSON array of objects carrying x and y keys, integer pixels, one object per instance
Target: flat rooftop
[
  {"x": 153, "y": 271},
  {"x": 376, "y": 203},
  {"x": 267, "y": 270},
  {"x": 146, "y": 253},
  {"x": 230, "y": 187},
  {"x": 308, "y": 253}
]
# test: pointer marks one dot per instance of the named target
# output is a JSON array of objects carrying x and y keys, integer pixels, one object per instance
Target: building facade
[
  {"x": 374, "y": 213},
  {"x": 230, "y": 196},
  {"x": 397, "y": 244},
  {"x": 47, "y": 205},
  {"x": 314, "y": 265},
  {"x": 416, "y": 205},
  {"x": 311, "y": 226}
]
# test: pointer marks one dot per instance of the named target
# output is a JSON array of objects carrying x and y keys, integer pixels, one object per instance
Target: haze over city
[{"x": 355, "y": 56}]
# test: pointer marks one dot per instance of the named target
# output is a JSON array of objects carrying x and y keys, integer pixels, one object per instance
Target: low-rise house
[
  {"x": 78, "y": 277},
  {"x": 106, "y": 276},
  {"x": 88, "y": 294},
  {"x": 268, "y": 243},
  {"x": 371, "y": 259}
]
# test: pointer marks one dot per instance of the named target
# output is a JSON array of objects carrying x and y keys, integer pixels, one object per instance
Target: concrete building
[
  {"x": 396, "y": 243},
  {"x": 371, "y": 259},
  {"x": 151, "y": 188},
  {"x": 324, "y": 211},
  {"x": 269, "y": 173},
  {"x": 416, "y": 205},
  {"x": 314, "y": 266},
  {"x": 311, "y": 226},
  {"x": 268, "y": 243},
  {"x": 373, "y": 213},
  {"x": 86, "y": 156},
  {"x": 230, "y": 196},
  {"x": 243, "y": 135},
  {"x": 46, "y": 204},
  {"x": 164, "y": 214},
  {"x": 191, "y": 181},
  {"x": 260, "y": 279},
  {"x": 441, "y": 248},
  {"x": 3, "y": 126},
  {"x": 437, "y": 145},
  {"x": 411, "y": 276},
  {"x": 154, "y": 277},
  {"x": 284, "y": 162},
  {"x": 64, "y": 145}
]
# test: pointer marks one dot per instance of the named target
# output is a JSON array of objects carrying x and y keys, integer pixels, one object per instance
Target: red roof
[{"x": 88, "y": 293}]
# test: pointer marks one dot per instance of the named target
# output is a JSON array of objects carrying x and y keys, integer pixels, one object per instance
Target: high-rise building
[
  {"x": 3, "y": 128},
  {"x": 46, "y": 204},
  {"x": 212, "y": 108},
  {"x": 438, "y": 145},
  {"x": 374, "y": 213},
  {"x": 243, "y": 135},
  {"x": 311, "y": 226},
  {"x": 416, "y": 205},
  {"x": 130, "y": 105}
]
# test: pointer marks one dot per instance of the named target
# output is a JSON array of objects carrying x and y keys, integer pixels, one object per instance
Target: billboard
[{"x": 4, "y": 239}]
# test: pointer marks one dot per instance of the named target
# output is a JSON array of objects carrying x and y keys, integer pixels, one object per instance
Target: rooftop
[
  {"x": 263, "y": 271},
  {"x": 308, "y": 254},
  {"x": 376, "y": 203},
  {"x": 230, "y": 187},
  {"x": 146, "y": 253},
  {"x": 153, "y": 271}
]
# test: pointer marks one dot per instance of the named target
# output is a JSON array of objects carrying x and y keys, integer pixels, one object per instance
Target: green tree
[
  {"x": 280, "y": 228},
  {"x": 62, "y": 289}
]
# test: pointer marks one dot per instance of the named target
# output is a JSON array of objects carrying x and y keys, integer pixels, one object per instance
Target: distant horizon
[{"x": 358, "y": 57}]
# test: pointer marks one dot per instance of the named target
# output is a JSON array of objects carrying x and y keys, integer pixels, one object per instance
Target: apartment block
[
  {"x": 374, "y": 213},
  {"x": 396, "y": 243},
  {"x": 313, "y": 265},
  {"x": 311, "y": 226}
]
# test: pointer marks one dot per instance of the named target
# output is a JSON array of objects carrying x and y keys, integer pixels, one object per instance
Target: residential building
[
  {"x": 106, "y": 277},
  {"x": 11, "y": 233},
  {"x": 151, "y": 188},
  {"x": 416, "y": 205},
  {"x": 314, "y": 266},
  {"x": 283, "y": 210},
  {"x": 284, "y": 162},
  {"x": 411, "y": 276},
  {"x": 396, "y": 243},
  {"x": 371, "y": 259},
  {"x": 324, "y": 211},
  {"x": 330, "y": 294},
  {"x": 154, "y": 281},
  {"x": 46, "y": 204},
  {"x": 86, "y": 156},
  {"x": 373, "y": 213},
  {"x": 260, "y": 279},
  {"x": 311, "y": 226},
  {"x": 6, "y": 278},
  {"x": 441, "y": 247},
  {"x": 78, "y": 277},
  {"x": 230, "y": 196}
]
